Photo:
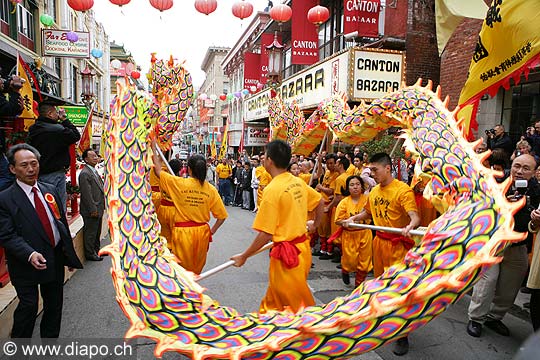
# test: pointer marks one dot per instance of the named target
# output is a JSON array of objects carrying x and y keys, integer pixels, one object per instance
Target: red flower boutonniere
[{"x": 52, "y": 205}]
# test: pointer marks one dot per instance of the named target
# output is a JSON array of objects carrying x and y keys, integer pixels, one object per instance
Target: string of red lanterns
[
  {"x": 242, "y": 9},
  {"x": 80, "y": 5},
  {"x": 206, "y": 6},
  {"x": 318, "y": 15},
  {"x": 161, "y": 5},
  {"x": 281, "y": 13},
  {"x": 120, "y": 2}
]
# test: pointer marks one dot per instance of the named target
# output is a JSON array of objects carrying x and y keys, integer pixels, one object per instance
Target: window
[
  {"x": 73, "y": 85},
  {"x": 50, "y": 8},
  {"x": 4, "y": 11},
  {"x": 521, "y": 106},
  {"x": 25, "y": 22}
]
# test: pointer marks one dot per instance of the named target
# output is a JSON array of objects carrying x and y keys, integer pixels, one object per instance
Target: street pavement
[{"x": 91, "y": 311}]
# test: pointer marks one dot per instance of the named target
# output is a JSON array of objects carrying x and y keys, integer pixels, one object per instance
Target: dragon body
[{"x": 165, "y": 303}]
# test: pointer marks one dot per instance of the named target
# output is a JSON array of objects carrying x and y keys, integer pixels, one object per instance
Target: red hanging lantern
[
  {"x": 80, "y": 5},
  {"x": 120, "y": 2},
  {"x": 281, "y": 13},
  {"x": 266, "y": 130},
  {"x": 161, "y": 5},
  {"x": 318, "y": 15},
  {"x": 242, "y": 9},
  {"x": 222, "y": 97},
  {"x": 206, "y": 6},
  {"x": 135, "y": 74}
]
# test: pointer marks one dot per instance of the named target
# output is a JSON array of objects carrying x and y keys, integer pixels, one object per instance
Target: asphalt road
[{"x": 91, "y": 311}]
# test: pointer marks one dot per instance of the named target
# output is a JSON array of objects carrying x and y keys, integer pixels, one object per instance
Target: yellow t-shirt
[
  {"x": 263, "y": 176},
  {"x": 193, "y": 201},
  {"x": 283, "y": 211},
  {"x": 305, "y": 177},
  {"x": 340, "y": 184},
  {"x": 351, "y": 170},
  {"x": 389, "y": 205},
  {"x": 223, "y": 171},
  {"x": 328, "y": 182},
  {"x": 347, "y": 208}
]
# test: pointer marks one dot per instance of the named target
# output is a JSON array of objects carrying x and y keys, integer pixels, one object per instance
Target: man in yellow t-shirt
[
  {"x": 340, "y": 185},
  {"x": 264, "y": 179},
  {"x": 282, "y": 219},
  {"x": 193, "y": 199},
  {"x": 326, "y": 188},
  {"x": 223, "y": 174},
  {"x": 391, "y": 203}
]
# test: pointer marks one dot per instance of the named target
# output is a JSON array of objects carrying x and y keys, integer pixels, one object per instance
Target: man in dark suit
[
  {"x": 92, "y": 205},
  {"x": 35, "y": 235}
]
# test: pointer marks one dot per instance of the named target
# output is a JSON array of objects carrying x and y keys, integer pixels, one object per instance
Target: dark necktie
[{"x": 42, "y": 214}]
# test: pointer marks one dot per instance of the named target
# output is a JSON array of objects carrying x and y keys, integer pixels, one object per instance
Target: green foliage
[
  {"x": 70, "y": 189},
  {"x": 383, "y": 143}
]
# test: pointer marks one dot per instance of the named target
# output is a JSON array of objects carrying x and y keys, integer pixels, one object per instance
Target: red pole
[{"x": 73, "y": 175}]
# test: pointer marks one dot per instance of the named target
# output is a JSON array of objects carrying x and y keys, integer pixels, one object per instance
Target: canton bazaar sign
[
  {"x": 375, "y": 73},
  {"x": 256, "y": 140},
  {"x": 55, "y": 43},
  {"x": 362, "y": 74}
]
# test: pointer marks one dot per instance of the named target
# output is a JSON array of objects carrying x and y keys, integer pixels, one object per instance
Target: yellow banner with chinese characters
[
  {"x": 26, "y": 95},
  {"x": 224, "y": 145},
  {"x": 508, "y": 45},
  {"x": 213, "y": 150}
]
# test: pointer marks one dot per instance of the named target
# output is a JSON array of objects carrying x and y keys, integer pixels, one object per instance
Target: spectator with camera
[
  {"x": 532, "y": 135},
  {"x": 497, "y": 138},
  {"x": 11, "y": 105},
  {"x": 51, "y": 135},
  {"x": 495, "y": 292}
]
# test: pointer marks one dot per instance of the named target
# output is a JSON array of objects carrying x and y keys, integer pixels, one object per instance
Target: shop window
[{"x": 521, "y": 106}]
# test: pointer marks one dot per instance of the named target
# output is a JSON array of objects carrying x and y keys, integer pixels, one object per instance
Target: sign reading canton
[
  {"x": 376, "y": 72},
  {"x": 56, "y": 43},
  {"x": 256, "y": 136},
  {"x": 361, "y": 16},
  {"x": 304, "y": 38},
  {"x": 252, "y": 69}
]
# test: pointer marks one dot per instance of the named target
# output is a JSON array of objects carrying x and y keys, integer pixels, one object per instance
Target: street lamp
[
  {"x": 274, "y": 60},
  {"x": 88, "y": 87}
]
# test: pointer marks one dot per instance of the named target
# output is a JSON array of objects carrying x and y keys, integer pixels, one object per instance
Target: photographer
[
  {"x": 11, "y": 104},
  {"x": 498, "y": 139},
  {"x": 496, "y": 291},
  {"x": 52, "y": 134},
  {"x": 532, "y": 135}
]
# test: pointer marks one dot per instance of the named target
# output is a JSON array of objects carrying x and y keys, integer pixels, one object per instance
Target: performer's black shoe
[
  {"x": 498, "y": 327},
  {"x": 94, "y": 258},
  {"x": 401, "y": 346},
  {"x": 346, "y": 278},
  {"x": 325, "y": 256},
  {"x": 474, "y": 328}
]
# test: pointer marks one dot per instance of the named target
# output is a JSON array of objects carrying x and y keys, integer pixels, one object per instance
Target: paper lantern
[
  {"x": 135, "y": 74},
  {"x": 80, "y": 5},
  {"x": 46, "y": 19},
  {"x": 266, "y": 130},
  {"x": 213, "y": 97},
  {"x": 281, "y": 13},
  {"x": 203, "y": 96},
  {"x": 222, "y": 97},
  {"x": 116, "y": 64},
  {"x": 245, "y": 92},
  {"x": 230, "y": 97},
  {"x": 318, "y": 15},
  {"x": 72, "y": 37},
  {"x": 242, "y": 9},
  {"x": 257, "y": 132},
  {"x": 260, "y": 86},
  {"x": 120, "y": 2},
  {"x": 161, "y": 5},
  {"x": 96, "y": 53},
  {"x": 237, "y": 94},
  {"x": 253, "y": 88},
  {"x": 206, "y": 6}
]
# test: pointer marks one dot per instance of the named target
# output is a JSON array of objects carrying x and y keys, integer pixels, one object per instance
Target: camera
[
  {"x": 6, "y": 83},
  {"x": 490, "y": 131}
]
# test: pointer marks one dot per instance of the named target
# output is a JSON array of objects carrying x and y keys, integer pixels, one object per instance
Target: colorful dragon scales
[{"x": 165, "y": 303}]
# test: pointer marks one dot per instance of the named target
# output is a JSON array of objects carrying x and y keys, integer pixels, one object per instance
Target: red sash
[
  {"x": 166, "y": 202},
  {"x": 408, "y": 243},
  {"x": 338, "y": 233},
  {"x": 155, "y": 188},
  {"x": 193, "y": 224},
  {"x": 287, "y": 252}
]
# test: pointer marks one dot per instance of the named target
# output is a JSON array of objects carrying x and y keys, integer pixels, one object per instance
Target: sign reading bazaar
[{"x": 363, "y": 74}]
